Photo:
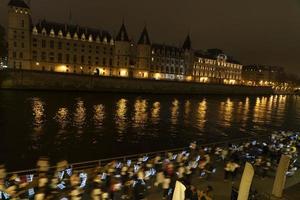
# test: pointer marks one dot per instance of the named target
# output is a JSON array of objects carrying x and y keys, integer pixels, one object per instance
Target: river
[{"x": 88, "y": 126}]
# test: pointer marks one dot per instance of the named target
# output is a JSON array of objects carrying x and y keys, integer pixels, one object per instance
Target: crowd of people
[{"x": 135, "y": 179}]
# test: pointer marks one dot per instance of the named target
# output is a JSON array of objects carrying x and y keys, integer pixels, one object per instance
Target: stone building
[
  {"x": 216, "y": 69},
  {"x": 70, "y": 48},
  {"x": 263, "y": 75}
]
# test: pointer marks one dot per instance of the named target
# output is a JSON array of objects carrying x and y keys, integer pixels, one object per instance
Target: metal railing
[{"x": 134, "y": 157}]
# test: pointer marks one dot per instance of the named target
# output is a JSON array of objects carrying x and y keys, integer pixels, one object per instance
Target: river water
[{"x": 88, "y": 126}]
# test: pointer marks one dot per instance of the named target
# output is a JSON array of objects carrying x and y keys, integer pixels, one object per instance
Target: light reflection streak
[
  {"x": 120, "y": 116},
  {"x": 140, "y": 113},
  {"x": 38, "y": 115},
  {"x": 201, "y": 114},
  {"x": 174, "y": 112},
  {"x": 79, "y": 115},
  {"x": 99, "y": 115},
  {"x": 155, "y": 112},
  {"x": 62, "y": 117}
]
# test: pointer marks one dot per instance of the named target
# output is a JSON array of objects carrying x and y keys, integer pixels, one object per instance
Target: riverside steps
[
  {"x": 146, "y": 167},
  {"x": 40, "y": 80}
]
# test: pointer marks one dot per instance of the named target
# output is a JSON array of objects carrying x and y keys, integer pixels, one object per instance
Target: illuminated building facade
[
  {"x": 262, "y": 75},
  {"x": 69, "y": 48},
  {"x": 216, "y": 69}
]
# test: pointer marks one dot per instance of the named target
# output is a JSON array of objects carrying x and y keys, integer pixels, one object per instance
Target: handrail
[{"x": 106, "y": 160}]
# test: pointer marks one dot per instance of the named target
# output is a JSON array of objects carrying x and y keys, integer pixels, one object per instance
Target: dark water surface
[{"x": 87, "y": 126}]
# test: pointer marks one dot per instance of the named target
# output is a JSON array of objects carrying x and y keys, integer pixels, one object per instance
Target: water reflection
[
  {"x": 38, "y": 113},
  {"x": 132, "y": 123},
  {"x": 155, "y": 112},
  {"x": 99, "y": 115},
  {"x": 187, "y": 110},
  {"x": 120, "y": 116},
  {"x": 226, "y": 112},
  {"x": 140, "y": 113},
  {"x": 201, "y": 114},
  {"x": 62, "y": 117},
  {"x": 79, "y": 116},
  {"x": 245, "y": 112},
  {"x": 174, "y": 112}
]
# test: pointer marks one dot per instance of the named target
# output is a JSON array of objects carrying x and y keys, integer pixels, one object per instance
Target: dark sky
[{"x": 253, "y": 31}]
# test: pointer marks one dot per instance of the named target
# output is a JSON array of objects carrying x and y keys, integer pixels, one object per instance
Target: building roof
[
  {"x": 72, "y": 29},
  {"x": 166, "y": 47},
  {"x": 144, "y": 38},
  {"x": 256, "y": 67},
  {"x": 187, "y": 43},
  {"x": 122, "y": 35},
  {"x": 18, "y": 3}
]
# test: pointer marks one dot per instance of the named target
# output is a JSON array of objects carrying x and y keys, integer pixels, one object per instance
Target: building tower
[
  {"x": 143, "y": 54},
  {"x": 19, "y": 35},
  {"x": 188, "y": 56},
  {"x": 122, "y": 52}
]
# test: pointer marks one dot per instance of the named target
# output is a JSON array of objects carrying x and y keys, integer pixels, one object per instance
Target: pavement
[{"x": 222, "y": 189}]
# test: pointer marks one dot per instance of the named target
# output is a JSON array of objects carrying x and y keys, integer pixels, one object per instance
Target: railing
[{"x": 102, "y": 162}]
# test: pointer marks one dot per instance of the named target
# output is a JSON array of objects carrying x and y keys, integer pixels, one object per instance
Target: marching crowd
[{"x": 135, "y": 179}]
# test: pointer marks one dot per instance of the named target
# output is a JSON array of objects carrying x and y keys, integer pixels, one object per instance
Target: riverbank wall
[{"x": 38, "y": 80}]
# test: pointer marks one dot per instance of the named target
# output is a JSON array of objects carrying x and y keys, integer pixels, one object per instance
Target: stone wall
[{"x": 37, "y": 80}]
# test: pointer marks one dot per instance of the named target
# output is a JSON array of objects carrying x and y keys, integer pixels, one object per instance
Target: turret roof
[
  {"x": 122, "y": 35},
  {"x": 18, "y": 3},
  {"x": 144, "y": 39}
]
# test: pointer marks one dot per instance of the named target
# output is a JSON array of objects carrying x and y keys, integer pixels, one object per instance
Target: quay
[{"x": 222, "y": 190}]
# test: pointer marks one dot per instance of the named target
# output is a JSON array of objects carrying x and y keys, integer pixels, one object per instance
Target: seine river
[{"x": 87, "y": 126}]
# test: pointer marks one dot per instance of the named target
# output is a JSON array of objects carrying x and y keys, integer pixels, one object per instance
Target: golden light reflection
[
  {"x": 260, "y": 110},
  {"x": 140, "y": 113},
  {"x": 155, "y": 112},
  {"x": 174, "y": 111},
  {"x": 79, "y": 115},
  {"x": 120, "y": 116},
  {"x": 99, "y": 115},
  {"x": 62, "y": 117},
  {"x": 187, "y": 110},
  {"x": 245, "y": 112},
  {"x": 201, "y": 113},
  {"x": 38, "y": 114},
  {"x": 226, "y": 110}
]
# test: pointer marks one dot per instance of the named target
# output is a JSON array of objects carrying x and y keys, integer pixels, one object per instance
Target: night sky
[{"x": 253, "y": 31}]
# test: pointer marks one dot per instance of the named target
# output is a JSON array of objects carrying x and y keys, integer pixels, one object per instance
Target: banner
[
  {"x": 179, "y": 192},
  {"x": 246, "y": 182},
  {"x": 281, "y": 176}
]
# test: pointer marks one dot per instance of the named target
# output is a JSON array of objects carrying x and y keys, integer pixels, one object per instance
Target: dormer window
[
  {"x": 111, "y": 41},
  {"x": 98, "y": 39},
  {"x": 60, "y": 34},
  {"x": 44, "y": 32},
  {"x": 34, "y": 31},
  {"x": 105, "y": 40},
  {"x": 75, "y": 36},
  {"x": 83, "y": 37},
  {"x": 90, "y": 38},
  {"x": 52, "y": 34},
  {"x": 68, "y": 35}
]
